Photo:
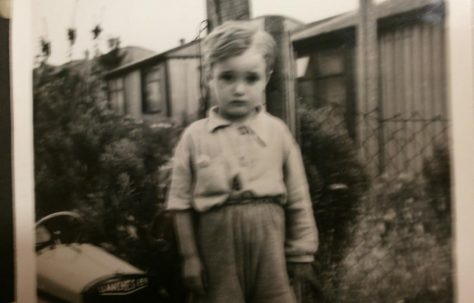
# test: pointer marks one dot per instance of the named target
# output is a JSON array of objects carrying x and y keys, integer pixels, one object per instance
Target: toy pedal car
[{"x": 71, "y": 271}]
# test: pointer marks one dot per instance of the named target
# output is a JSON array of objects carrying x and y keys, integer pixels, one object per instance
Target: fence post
[
  {"x": 367, "y": 83},
  {"x": 219, "y": 11},
  {"x": 280, "y": 91}
]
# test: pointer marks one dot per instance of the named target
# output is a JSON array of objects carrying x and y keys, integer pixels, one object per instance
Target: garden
[{"x": 384, "y": 238}]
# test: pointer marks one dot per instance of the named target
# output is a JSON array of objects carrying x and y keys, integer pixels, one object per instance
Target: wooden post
[
  {"x": 219, "y": 11},
  {"x": 280, "y": 92},
  {"x": 367, "y": 85}
]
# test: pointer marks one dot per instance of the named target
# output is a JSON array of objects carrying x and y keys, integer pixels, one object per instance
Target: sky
[{"x": 157, "y": 25}]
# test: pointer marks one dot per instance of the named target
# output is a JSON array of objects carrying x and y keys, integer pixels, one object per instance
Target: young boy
[{"x": 238, "y": 187}]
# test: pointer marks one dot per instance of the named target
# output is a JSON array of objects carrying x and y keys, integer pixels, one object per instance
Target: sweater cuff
[{"x": 300, "y": 259}]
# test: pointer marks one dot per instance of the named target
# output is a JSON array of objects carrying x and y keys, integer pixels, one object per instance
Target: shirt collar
[
  {"x": 215, "y": 120},
  {"x": 256, "y": 123}
]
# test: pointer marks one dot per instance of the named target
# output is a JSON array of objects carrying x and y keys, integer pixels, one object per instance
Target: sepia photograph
[{"x": 243, "y": 151}]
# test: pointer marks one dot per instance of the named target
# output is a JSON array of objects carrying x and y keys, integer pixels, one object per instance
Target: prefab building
[
  {"x": 409, "y": 117},
  {"x": 163, "y": 87}
]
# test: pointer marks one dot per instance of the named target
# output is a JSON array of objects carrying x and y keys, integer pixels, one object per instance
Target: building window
[
  {"x": 117, "y": 98},
  {"x": 329, "y": 77},
  {"x": 325, "y": 79},
  {"x": 153, "y": 97}
]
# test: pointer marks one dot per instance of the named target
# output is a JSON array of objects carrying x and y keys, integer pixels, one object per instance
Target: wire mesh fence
[
  {"x": 400, "y": 143},
  {"x": 386, "y": 236}
]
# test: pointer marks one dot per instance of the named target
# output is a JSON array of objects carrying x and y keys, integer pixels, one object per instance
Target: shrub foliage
[
  {"x": 383, "y": 238},
  {"x": 89, "y": 159},
  {"x": 338, "y": 182}
]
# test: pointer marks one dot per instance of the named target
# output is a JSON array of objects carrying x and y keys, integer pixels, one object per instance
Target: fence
[
  {"x": 399, "y": 144},
  {"x": 390, "y": 239}
]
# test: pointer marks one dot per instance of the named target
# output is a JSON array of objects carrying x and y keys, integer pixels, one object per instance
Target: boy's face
[{"x": 238, "y": 84}]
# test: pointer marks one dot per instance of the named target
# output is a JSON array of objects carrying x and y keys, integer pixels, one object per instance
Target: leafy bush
[
  {"x": 388, "y": 240},
  {"x": 337, "y": 182},
  {"x": 437, "y": 173},
  {"x": 102, "y": 164},
  {"x": 401, "y": 251}
]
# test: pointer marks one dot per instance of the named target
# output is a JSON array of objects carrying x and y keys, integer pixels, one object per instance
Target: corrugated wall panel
[
  {"x": 413, "y": 94},
  {"x": 409, "y": 150},
  {"x": 176, "y": 90},
  {"x": 193, "y": 89},
  {"x": 396, "y": 127},
  {"x": 439, "y": 80},
  {"x": 426, "y": 85},
  {"x": 385, "y": 88},
  {"x": 184, "y": 89},
  {"x": 417, "y": 91}
]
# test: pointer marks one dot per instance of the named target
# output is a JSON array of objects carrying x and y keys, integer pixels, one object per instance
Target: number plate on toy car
[{"x": 122, "y": 286}]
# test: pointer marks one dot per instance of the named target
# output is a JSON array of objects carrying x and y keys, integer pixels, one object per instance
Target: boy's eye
[
  {"x": 252, "y": 78},
  {"x": 226, "y": 77}
]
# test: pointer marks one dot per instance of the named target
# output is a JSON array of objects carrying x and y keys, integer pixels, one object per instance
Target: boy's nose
[{"x": 239, "y": 88}]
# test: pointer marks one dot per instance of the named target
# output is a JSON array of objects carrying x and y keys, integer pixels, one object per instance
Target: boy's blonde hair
[{"x": 233, "y": 38}]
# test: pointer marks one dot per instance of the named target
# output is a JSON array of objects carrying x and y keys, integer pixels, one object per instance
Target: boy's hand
[
  {"x": 302, "y": 275},
  {"x": 302, "y": 272},
  {"x": 193, "y": 274},
  {"x": 299, "y": 271}
]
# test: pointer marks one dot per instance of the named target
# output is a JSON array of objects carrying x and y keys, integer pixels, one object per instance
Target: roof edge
[
  {"x": 350, "y": 19},
  {"x": 148, "y": 60}
]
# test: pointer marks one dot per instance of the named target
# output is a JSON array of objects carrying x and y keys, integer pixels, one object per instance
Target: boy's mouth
[{"x": 238, "y": 102}]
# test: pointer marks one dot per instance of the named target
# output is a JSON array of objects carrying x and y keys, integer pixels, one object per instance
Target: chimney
[{"x": 219, "y": 11}]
